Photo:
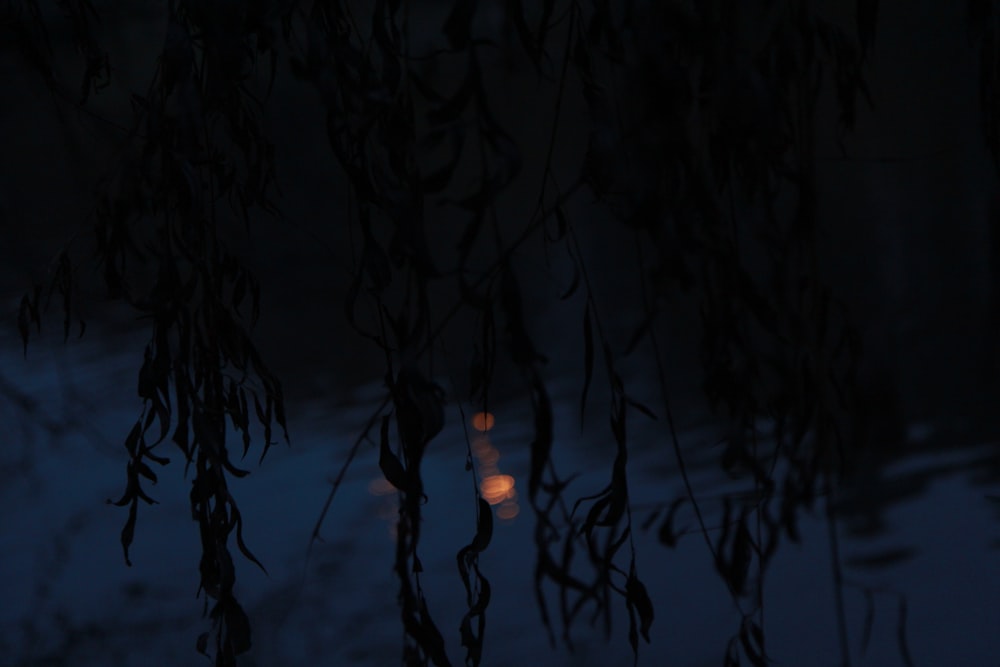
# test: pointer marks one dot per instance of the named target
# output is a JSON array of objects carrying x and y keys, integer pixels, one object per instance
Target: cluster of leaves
[
  {"x": 196, "y": 143},
  {"x": 715, "y": 152},
  {"x": 712, "y": 121},
  {"x": 24, "y": 23}
]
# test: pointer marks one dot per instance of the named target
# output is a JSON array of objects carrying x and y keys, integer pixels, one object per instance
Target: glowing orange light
[
  {"x": 496, "y": 488},
  {"x": 508, "y": 510},
  {"x": 483, "y": 421},
  {"x": 380, "y": 486}
]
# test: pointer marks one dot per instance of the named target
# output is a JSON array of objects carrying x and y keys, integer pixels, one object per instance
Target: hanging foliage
[{"x": 698, "y": 113}]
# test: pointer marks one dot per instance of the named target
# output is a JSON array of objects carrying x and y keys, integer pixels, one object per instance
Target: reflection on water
[
  {"x": 483, "y": 421},
  {"x": 496, "y": 488},
  {"x": 918, "y": 535}
]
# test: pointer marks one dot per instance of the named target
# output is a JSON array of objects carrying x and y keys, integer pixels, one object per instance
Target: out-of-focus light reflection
[
  {"x": 481, "y": 444},
  {"x": 489, "y": 458},
  {"x": 497, "y": 488},
  {"x": 380, "y": 486},
  {"x": 508, "y": 509},
  {"x": 483, "y": 421}
]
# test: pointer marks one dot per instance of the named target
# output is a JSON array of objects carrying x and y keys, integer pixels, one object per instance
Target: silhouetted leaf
[
  {"x": 742, "y": 554},
  {"x": 473, "y": 640},
  {"x": 388, "y": 463},
  {"x": 202, "y": 644},
  {"x": 574, "y": 284},
  {"x": 430, "y": 638},
  {"x": 752, "y": 639},
  {"x": 162, "y": 460},
  {"x": 145, "y": 471},
  {"x": 732, "y": 658},
  {"x": 128, "y": 530},
  {"x": 648, "y": 522},
  {"x": 637, "y": 597},
  {"x": 237, "y": 519},
  {"x": 668, "y": 536},
  {"x": 640, "y": 332},
  {"x": 562, "y": 225},
  {"x": 132, "y": 441},
  {"x": 237, "y": 628},
  {"x": 484, "y": 531},
  {"x": 641, "y": 408}
]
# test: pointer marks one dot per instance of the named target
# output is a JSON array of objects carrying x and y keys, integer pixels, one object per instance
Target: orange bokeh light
[
  {"x": 497, "y": 488},
  {"x": 508, "y": 510},
  {"x": 483, "y": 421}
]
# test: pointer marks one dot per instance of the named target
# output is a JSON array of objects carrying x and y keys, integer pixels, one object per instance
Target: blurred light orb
[
  {"x": 481, "y": 444},
  {"x": 507, "y": 510},
  {"x": 490, "y": 457},
  {"x": 496, "y": 488},
  {"x": 483, "y": 421}
]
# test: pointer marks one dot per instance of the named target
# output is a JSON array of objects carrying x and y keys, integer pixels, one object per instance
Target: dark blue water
[{"x": 70, "y": 599}]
